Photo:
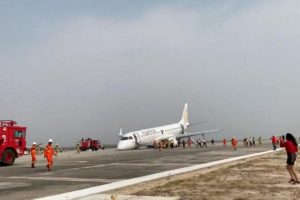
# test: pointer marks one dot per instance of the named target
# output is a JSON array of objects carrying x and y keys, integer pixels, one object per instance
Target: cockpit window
[
  {"x": 124, "y": 138},
  {"x": 130, "y": 138}
]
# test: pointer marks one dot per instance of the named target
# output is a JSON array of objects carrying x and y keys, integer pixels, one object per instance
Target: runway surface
[{"x": 72, "y": 172}]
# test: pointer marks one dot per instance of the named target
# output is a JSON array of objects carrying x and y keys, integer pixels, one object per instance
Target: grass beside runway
[{"x": 263, "y": 177}]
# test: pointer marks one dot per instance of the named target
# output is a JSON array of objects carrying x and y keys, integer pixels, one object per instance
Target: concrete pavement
[{"x": 73, "y": 172}]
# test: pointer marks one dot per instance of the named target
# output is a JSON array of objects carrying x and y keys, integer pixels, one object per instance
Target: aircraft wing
[
  {"x": 167, "y": 137},
  {"x": 197, "y": 133},
  {"x": 196, "y": 123},
  {"x": 191, "y": 124}
]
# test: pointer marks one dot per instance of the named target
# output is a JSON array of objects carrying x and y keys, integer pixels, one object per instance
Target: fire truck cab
[
  {"x": 12, "y": 141},
  {"x": 90, "y": 144}
]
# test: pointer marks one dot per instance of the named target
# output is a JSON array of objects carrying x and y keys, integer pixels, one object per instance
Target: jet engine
[{"x": 173, "y": 141}]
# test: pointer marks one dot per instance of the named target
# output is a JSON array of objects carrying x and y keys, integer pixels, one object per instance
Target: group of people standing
[
  {"x": 185, "y": 144},
  {"x": 49, "y": 152},
  {"x": 250, "y": 141},
  {"x": 201, "y": 143},
  {"x": 234, "y": 142}
]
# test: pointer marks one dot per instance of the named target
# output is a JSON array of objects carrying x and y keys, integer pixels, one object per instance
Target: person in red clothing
[
  {"x": 281, "y": 141},
  {"x": 274, "y": 142},
  {"x": 189, "y": 143},
  {"x": 291, "y": 147},
  {"x": 48, "y": 154},
  {"x": 224, "y": 142}
]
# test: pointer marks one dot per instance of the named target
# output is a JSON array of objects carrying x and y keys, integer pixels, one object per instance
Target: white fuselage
[
  {"x": 146, "y": 137},
  {"x": 171, "y": 132}
]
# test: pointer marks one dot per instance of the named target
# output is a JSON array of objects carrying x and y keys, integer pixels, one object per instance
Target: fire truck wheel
[{"x": 8, "y": 157}]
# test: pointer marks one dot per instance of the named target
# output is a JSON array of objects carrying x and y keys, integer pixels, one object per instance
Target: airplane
[{"x": 171, "y": 132}]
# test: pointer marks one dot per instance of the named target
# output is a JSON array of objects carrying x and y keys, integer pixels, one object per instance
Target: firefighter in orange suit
[
  {"x": 48, "y": 153},
  {"x": 33, "y": 154},
  {"x": 234, "y": 143}
]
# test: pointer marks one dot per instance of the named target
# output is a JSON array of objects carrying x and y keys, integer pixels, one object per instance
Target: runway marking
[
  {"x": 82, "y": 161},
  {"x": 151, "y": 164},
  {"x": 86, "y": 167},
  {"x": 124, "y": 164},
  {"x": 8, "y": 185},
  {"x": 134, "y": 164},
  {"x": 62, "y": 164},
  {"x": 94, "y": 180},
  {"x": 115, "y": 185},
  {"x": 45, "y": 173}
]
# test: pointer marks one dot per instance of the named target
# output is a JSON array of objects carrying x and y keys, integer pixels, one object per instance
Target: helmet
[
  {"x": 50, "y": 140},
  {"x": 34, "y": 143}
]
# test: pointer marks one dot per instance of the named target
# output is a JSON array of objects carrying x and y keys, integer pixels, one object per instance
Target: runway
[{"x": 72, "y": 172}]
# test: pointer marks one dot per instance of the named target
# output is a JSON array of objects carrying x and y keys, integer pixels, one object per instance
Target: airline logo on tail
[{"x": 185, "y": 117}]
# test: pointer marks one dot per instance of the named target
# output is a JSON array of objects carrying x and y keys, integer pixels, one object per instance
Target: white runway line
[
  {"x": 150, "y": 164},
  {"x": 126, "y": 164},
  {"x": 127, "y": 197},
  {"x": 89, "y": 180},
  {"x": 9, "y": 185},
  {"x": 111, "y": 186}
]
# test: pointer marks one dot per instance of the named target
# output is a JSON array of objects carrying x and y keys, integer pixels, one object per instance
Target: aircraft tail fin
[
  {"x": 185, "y": 117},
  {"x": 120, "y": 134}
]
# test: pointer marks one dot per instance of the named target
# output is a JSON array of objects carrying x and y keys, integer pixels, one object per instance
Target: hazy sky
[{"x": 73, "y": 69}]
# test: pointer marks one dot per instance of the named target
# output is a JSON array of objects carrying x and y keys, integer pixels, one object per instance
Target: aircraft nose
[{"x": 121, "y": 146}]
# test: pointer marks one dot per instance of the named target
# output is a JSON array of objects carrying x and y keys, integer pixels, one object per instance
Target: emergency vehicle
[
  {"x": 12, "y": 141},
  {"x": 90, "y": 144}
]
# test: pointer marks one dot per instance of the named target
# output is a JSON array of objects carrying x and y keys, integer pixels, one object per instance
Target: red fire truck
[
  {"x": 90, "y": 144},
  {"x": 12, "y": 141}
]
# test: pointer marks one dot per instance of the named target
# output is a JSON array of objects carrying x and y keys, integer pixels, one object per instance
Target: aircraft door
[{"x": 137, "y": 138}]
